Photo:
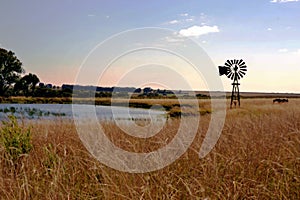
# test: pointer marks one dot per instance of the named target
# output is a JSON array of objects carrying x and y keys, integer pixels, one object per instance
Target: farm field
[{"x": 256, "y": 157}]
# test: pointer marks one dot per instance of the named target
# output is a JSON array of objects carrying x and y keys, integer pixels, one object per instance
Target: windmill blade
[
  {"x": 235, "y": 69},
  {"x": 232, "y": 76},
  {"x": 229, "y": 74},
  {"x": 242, "y": 72},
  {"x": 240, "y": 62},
  {"x": 227, "y": 64}
]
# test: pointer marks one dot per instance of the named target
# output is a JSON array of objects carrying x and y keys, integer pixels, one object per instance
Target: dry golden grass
[{"x": 256, "y": 157}]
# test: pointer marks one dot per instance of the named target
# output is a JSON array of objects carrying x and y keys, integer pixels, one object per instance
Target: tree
[
  {"x": 27, "y": 84},
  {"x": 32, "y": 80},
  {"x": 10, "y": 70}
]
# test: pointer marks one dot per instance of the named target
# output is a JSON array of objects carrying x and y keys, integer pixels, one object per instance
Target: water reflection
[{"x": 51, "y": 111}]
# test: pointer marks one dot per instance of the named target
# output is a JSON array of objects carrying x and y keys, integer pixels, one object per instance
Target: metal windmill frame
[{"x": 235, "y": 70}]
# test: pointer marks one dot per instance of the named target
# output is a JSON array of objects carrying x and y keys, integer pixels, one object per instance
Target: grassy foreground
[{"x": 256, "y": 157}]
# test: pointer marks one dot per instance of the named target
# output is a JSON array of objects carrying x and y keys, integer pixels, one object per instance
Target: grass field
[{"x": 256, "y": 157}]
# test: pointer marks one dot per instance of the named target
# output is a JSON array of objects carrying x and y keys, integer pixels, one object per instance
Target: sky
[{"x": 54, "y": 38}]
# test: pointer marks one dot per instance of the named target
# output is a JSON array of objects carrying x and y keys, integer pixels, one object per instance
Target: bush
[{"x": 16, "y": 140}]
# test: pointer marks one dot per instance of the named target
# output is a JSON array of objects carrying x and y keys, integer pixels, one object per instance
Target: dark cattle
[{"x": 280, "y": 100}]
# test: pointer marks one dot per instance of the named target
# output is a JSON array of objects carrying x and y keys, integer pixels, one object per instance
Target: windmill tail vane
[
  {"x": 223, "y": 70},
  {"x": 235, "y": 70}
]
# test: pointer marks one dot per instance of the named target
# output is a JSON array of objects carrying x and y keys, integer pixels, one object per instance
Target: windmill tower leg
[
  {"x": 232, "y": 97},
  {"x": 238, "y": 95},
  {"x": 235, "y": 95}
]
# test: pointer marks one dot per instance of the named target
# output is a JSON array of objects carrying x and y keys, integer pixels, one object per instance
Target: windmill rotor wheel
[{"x": 236, "y": 69}]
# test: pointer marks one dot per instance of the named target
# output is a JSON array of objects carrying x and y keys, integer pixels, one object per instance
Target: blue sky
[{"x": 52, "y": 38}]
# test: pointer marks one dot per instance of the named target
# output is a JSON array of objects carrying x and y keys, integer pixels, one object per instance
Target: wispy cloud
[
  {"x": 91, "y": 15},
  {"x": 297, "y": 52},
  {"x": 189, "y": 19},
  {"x": 283, "y": 1},
  {"x": 284, "y": 50},
  {"x": 269, "y": 29},
  {"x": 173, "y": 22},
  {"x": 196, "y": 31},
  {"x": 204, "y": 19},
  {"x": 185, "y": 18},
  {"x": 174, "y": 39},
  {"x": 184, "y": 14}
]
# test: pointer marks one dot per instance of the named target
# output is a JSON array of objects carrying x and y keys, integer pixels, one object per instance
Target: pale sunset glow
[{"x": 52, "y": 39}]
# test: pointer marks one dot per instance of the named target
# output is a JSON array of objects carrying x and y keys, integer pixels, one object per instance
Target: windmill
[{"x": 235, "y": 70}]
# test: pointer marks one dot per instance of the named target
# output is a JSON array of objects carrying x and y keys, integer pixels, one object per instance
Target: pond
[{"x": 51, "y": 111}]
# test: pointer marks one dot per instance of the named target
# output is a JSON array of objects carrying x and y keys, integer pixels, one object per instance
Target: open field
[
  {"x": 256, "y": 157},
  {"x": 107, "y": 101}
]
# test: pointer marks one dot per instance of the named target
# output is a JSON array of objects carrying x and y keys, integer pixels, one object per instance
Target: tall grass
[{"x": 256, "y": 157}]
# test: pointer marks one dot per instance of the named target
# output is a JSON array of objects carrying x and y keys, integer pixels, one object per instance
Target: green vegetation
[
  {"x": 26, "y": 85},
  {"x": 10, "y": 70},
  {"x": 15, "y": 139},
  {"x": 11, "y": 82}
]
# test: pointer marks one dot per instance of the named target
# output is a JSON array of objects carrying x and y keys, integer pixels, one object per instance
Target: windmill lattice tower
[{"x": 235, "y": 70}]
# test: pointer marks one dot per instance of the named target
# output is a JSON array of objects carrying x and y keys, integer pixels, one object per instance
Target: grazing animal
[{"x": 280, "y": 100}]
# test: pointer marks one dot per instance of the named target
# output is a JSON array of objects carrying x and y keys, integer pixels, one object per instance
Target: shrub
[{"x": 16, "y": 140}]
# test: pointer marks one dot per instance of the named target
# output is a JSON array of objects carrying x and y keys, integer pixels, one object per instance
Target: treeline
[
  {"x": 86, "y": 91},
  {"x": 48, "y": 90},
  {"x": 14, "y": 82}
]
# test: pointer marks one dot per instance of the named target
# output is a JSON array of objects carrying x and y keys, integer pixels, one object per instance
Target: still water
[{"x": 51, "y": 111}]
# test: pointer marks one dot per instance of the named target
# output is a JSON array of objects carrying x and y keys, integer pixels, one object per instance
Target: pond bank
[{"x": 171, "y": 106}]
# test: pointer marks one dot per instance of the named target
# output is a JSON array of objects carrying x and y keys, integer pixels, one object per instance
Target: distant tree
[
  {"x": 32, "y": 80},
  {"x": 41, "y": 85},
  {"x": 147, "y": 90},
  {"x": 10, "y": 70},
  {"x": 49, "y": 85},
  {"x": 138, "y": 90},
  {"x": 19, "y": 87},
  {"x": 27, "y": 84}
]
